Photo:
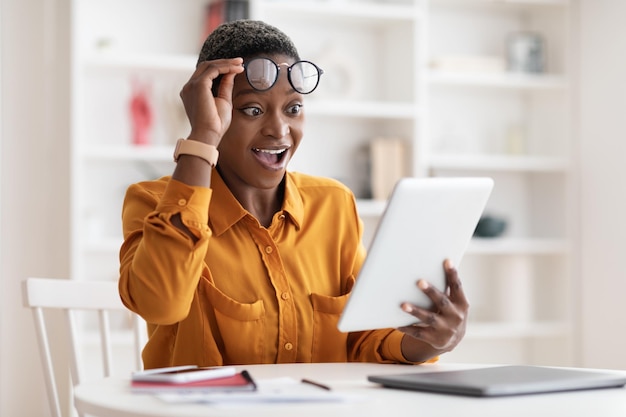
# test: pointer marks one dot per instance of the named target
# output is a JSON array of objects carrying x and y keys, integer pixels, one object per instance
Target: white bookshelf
[
  {"x": 378, "y": 82},
  {"x": 472, "y": 114}
]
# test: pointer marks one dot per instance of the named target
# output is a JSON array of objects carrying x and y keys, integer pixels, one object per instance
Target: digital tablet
[{"x": 426, "y": 221}]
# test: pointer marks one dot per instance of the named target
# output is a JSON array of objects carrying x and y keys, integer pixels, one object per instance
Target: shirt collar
[
  {"x": 226, "y": 210},
  {"x": 293, "y": 205}
]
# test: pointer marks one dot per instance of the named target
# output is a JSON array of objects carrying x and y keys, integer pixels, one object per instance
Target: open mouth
[{"x": 272, "y": 158}]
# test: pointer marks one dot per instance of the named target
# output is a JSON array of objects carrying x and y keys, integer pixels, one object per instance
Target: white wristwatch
[{"x": 200, "y": 149}]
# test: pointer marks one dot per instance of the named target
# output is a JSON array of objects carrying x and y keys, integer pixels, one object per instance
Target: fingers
[
  {"x": 455, "y": 288},
  {"x": 210, "y": 116},
  {"x": 213, "y": 69},
  {"x": 206, "y": 72},
  {"x": 428, "y": 319},
  {"x": 227, "y": 82},
  {"x": 433, "y": 328},
  {"x": 441, "y": 330},
  {"x": 443, "y": 326},
  {"x": 425, "y": 317},
  {"x": 453, "y": 299}
]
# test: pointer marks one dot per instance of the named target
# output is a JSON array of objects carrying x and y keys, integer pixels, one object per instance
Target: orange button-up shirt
[{"x": 244, "y": 293}]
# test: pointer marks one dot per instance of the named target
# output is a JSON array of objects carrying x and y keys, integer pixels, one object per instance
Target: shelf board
[
  {"x": 159, "y": 62},
  {"x": 361, "y": 109},
  {"x": 521, "y": 246},
  {"x": 500, "y": 163},
  {"x": 534, "y": 2},
  {"x": 153, "y": 153},
  {"x": 506, "y": 330},
  {"x": 498, "y": 80},
  {"x": 372, "y": 12},
  {"x": 519, "y": 3}
]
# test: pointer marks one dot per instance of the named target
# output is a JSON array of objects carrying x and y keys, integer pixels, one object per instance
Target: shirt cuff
[
  {"x": 392, "y": 349},
  {"x": 191, "y": 201}
]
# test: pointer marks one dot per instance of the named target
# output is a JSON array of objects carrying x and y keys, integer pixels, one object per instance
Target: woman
[{"x": 234, "y": 260}]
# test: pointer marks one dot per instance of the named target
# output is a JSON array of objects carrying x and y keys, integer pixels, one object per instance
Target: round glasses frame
[{"x": 266, "y": 80}]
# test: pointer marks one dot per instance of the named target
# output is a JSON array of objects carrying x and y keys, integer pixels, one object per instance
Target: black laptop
[{"x": 503, "y": 380}]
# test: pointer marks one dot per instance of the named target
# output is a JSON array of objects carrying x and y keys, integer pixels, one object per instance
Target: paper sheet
[{"x": 275, "y": 390}]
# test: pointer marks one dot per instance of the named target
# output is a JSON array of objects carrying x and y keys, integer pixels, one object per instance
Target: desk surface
[{"x": 111, "y": 397}]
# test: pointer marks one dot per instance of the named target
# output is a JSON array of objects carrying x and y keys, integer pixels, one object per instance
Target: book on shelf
[
  {"x": 220, "y": 11},
  {"x": 387, "y": 165}
]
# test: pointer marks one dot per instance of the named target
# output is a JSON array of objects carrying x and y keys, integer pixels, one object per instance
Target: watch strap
[{"x": 200, "y": 149}]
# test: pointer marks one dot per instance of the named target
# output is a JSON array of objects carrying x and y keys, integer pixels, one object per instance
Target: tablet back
[{"x": 427, "y": 220}]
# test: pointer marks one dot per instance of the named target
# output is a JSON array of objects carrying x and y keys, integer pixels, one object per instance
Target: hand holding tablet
[{"x": 427, "y": 220}]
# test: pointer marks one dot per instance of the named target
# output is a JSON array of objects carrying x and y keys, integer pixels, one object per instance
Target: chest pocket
[
  {"x": 329, "y": 344},
  {"x": 241, "y": 327}
]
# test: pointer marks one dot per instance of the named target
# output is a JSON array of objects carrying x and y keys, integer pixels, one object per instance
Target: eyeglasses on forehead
[{"x": 262, "y": 74}]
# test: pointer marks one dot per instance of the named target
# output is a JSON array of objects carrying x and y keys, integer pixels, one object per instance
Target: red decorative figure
[{"x": 140, "y": 114}]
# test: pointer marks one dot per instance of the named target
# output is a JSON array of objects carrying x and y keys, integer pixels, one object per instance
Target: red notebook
[{"x": 241, "y": 381}]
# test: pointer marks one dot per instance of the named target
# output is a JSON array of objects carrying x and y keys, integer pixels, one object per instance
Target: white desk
[{"x": 111, "y": 397}]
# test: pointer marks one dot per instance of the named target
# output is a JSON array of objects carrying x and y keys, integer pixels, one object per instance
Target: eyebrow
[{"x": 244, "y": 92}]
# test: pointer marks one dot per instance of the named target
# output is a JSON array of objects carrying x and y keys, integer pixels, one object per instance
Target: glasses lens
[
  {"x": 304, "y": 77},
  {"x": 261, "y": 73}
]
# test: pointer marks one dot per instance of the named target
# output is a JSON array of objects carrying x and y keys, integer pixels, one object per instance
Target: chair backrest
[{"x": 77, "y": 300}]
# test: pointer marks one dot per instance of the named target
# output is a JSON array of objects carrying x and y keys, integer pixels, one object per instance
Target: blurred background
[{"x": 529, "y": 92}]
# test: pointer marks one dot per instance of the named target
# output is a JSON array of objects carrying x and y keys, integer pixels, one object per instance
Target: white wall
[
  {"x": 34, "y": 183},
  {"x": 603, "y": 182}
]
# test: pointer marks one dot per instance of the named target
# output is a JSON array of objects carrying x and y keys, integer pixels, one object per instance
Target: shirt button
[
  {"x": 281, "y": 217},
  {"x": 288, "y": 346},
  {"x": 268, "y": 249},
  {"x": 285, "y": 296},
  {"x": 182, "y": 202}
]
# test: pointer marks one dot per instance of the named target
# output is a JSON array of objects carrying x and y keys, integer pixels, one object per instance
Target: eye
[
  {"x": 295, "y": 109},
  {"x": 251, "y": 111}
]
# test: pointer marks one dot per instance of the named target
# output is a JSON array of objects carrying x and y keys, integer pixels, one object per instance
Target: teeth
[{"x": 270, "y": 151}]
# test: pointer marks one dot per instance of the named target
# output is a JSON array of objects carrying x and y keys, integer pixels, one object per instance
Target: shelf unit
[
  {"x": 378, "y": 82},
  {"x": 514, "y": 127}
]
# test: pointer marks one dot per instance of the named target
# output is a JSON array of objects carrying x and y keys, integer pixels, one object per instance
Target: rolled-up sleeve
[{"x": 159, "y": 264}]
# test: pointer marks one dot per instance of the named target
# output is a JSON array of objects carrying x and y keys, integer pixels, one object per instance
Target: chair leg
[
  {"x": 105, "y": 342},
  {"x": 46, "y": 360}
]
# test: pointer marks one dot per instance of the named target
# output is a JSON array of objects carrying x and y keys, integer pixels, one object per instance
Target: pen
[{"x": 317, "y": 384}]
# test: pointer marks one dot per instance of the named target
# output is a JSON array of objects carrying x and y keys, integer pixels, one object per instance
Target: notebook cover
[{"x": 242, "y": 381}]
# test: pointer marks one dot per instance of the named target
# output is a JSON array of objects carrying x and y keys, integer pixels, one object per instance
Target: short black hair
[{"x": 246, "y": 38}]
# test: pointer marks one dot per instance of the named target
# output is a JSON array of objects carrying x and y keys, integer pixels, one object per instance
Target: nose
[{"x": 276, "y": 125}]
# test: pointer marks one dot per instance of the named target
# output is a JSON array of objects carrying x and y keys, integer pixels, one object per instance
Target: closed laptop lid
[{"x": 503, "y": 380}]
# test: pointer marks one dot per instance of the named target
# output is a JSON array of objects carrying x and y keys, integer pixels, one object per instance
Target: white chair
[{"x": 74, "y": 298}]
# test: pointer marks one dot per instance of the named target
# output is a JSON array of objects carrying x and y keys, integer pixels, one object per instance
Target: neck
[{"x": 262, "y": 204}]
